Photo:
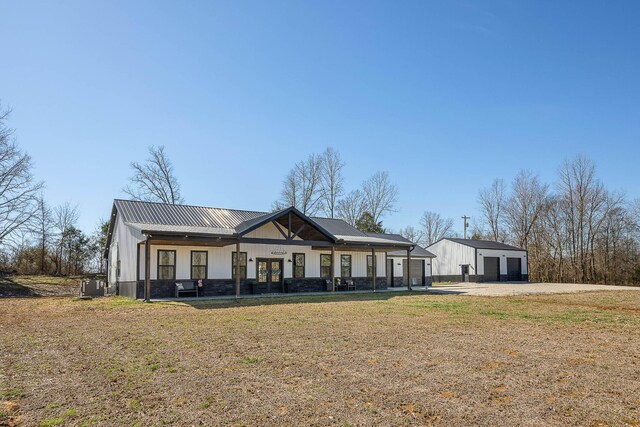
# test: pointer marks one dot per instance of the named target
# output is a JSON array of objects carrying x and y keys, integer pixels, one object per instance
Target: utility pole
[{"x": 466, "y": 224}]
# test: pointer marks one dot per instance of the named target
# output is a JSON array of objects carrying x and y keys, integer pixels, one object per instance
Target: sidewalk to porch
[{"x": 295, "y": 294}]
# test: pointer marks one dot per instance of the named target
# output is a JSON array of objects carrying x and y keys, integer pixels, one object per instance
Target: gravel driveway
[{"x": 504, "y": 289}]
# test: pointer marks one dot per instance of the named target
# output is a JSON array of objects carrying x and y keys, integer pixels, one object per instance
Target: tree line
[
  {"x": 575, "y": 229},
  {"x": 36, "y": 238}
]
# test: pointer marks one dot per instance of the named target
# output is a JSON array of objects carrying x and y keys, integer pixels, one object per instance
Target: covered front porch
[{"x": 284, "y": 253}]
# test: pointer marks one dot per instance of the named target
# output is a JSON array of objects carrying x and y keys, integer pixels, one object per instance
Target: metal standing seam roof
[
  {"x": 417, "y": 252},
  {"x": 188, "y": 219},
  {"x": 182, "y": 215},
  {"x": 485, "y": 244}
]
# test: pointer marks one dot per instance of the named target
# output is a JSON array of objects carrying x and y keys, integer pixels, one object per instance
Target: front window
[
  {"x": 199, "y": 264},
  {"x": 345, "y": 265},
  {"x": 298, "y": 265},
  {"x": 243, "y": 265},
  {"x": 166, "y": 265},
  {"x": 369, "y": 265},
  {"x": 325, "y": 266}
]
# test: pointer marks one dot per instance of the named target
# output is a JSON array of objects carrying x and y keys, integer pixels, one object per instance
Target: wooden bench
[{"x": 186, "y": 287}]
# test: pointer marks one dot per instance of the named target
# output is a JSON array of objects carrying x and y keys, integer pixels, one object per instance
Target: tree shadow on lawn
[
  {"x": 12, "y": 289},
  {"x": 213, "y": 303}
]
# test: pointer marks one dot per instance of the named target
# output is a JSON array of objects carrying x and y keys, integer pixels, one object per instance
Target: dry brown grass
[
  {"x": 383, "y": 359},
  {"x": 38, "y": 286}
]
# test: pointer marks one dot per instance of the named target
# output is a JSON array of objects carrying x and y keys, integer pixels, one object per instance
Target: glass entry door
[{"x": 269, "y": 275}]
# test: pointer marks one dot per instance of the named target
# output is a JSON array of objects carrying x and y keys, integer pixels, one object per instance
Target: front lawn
[{"x": 361, "y": 359}]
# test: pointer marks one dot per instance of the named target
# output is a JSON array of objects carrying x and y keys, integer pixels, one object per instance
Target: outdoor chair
[
  {"x": 351, "y": 286},
  {"x": 186, "y": 287},
  {"x": 341, "y": 285}
]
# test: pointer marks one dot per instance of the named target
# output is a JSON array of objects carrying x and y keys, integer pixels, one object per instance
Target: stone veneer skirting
[{"x": 222, "y": 287}]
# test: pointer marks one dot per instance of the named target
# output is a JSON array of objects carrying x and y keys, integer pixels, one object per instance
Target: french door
[{"x": 269, "y": 275}]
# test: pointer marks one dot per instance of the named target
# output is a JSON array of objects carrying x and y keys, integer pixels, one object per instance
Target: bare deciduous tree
[
  {"x": 18, "y": 190},
  {"x": 413, "y": 234},
  {"x": 351, "y": 207},
  {"x": 583, "y": 209},
  {"x": 380, "y": 195},
  {"x": 525, "y": 206},
  {"x": 154, "y": 180},
  {"x": 435, "y": 227},
  {"x": 491, "y": 204},
  {"x": 65, "y": 218},
  {"x": 301, "y": 187},
  {"x": 332, "y": 181},
  {"x": 41, "y": 228}
]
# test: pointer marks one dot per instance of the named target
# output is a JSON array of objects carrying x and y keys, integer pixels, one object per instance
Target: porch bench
[{"x": 186, "y": 287}]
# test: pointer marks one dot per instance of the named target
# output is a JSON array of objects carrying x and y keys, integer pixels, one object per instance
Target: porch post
[
  {"x": 333, "y": 271},
  {"x": 147, "y": 270},
  {"x": 373, "y": 267},
  {"x": 409, "y": 269},
  {"x": 238, "y": 269}
]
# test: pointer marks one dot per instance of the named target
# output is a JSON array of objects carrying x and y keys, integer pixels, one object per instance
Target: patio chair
[{"x": 351, "y": 286}]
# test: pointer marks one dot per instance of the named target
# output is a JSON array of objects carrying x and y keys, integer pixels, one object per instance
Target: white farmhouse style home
[{"x": 153, "y": 246}]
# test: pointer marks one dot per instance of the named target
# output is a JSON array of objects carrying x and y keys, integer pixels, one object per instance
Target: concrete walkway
[
  {"x": 480, "y": 289},
  {"x": 506, "y": 289},
  {"x": 416, "y": 289}
]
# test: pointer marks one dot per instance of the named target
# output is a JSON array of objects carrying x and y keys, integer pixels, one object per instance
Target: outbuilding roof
[{"x": 484, "y": 244}]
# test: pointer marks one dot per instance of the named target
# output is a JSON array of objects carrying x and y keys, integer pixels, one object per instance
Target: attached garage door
[
  {"x": 417, "y": 271},
  {"x": 491, "y": 269},
  {"x": 514, "y": 269}
]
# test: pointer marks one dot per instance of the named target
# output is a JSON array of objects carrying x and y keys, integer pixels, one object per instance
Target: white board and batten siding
[
  {"x": 122, "y": 253},
  {"x": 220, "y": 260},
  {"x": 450, "y": 256}
]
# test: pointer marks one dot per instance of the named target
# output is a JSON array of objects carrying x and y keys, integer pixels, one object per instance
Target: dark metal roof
[
  {"x": 339, "y": 227},
  {"x": 485, "y": 244},
  {"x": 395, "y": 237},
  {"x": 417, "y": 252}
]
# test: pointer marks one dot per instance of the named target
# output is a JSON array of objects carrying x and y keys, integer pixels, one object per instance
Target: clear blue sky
[{"x": 445, "y": 95}]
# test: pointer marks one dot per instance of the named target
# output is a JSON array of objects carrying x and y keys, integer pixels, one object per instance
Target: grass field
[
  {"x": 38, "y": 286},
  {"x": 344, "y": 360}
]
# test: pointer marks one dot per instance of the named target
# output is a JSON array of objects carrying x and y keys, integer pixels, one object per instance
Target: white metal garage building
[{"x": 467, "y": 260}]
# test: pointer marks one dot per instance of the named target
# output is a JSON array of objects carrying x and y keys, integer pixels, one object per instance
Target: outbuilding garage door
[
  {"x": 417, "y": 271},
  {"x": 514, "y": 269},
  {"x": 491, "y": 269}
]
